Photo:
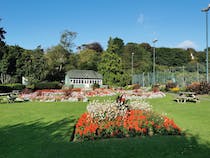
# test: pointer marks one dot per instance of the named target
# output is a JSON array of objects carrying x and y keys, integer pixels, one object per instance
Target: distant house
[{"x": 82, "y": 78}]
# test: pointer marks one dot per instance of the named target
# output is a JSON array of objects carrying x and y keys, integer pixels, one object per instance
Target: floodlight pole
[
  {"x": 154, "y": 80},
  {"x": 207, "y": 51},
  {"x": 132, "y": 66}
]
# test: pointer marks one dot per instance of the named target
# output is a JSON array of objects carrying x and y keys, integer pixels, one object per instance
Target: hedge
[
  {"x": 47, "y": 85},
  {"x": 4, "y": 88}
]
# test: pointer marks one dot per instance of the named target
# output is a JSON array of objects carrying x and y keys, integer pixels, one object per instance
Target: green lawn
[{"x": 42, "y": 130}]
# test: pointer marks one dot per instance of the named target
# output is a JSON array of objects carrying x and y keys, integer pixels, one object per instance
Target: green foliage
[
  {"x": 2, "y": 33},
  {"x": 57, "y": 58},
  {"x": 93, "y": 46},
  {"x": 172, "y": 57},
  {"x": 115, "y": 45},
  {"x": 95, "y": 85},
  {"x": 112, "y": 70},
  {"x": 47, "y": 85},
  {"x": 16, "y": 86},
  {"x": 32, "y": 65},
  {"x": 142, "y": 61},
  {"x": 194, "y": 66},
  {"x": 51, "y": 65},
  {"x": 88, "y": 59},
  {"x": 4, "y": 88},
  {"x": 132, "y": 87}
]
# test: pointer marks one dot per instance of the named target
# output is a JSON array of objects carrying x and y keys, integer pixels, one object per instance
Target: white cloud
[
  {"x": 141, "y": 19},
  {"x": 187, "y": 44}
]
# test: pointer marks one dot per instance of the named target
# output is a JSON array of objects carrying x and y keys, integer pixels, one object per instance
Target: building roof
[{"x": 86, "y": 74}]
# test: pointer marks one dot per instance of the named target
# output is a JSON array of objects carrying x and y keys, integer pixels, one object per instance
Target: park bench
[{"x": 187, "y": 97}]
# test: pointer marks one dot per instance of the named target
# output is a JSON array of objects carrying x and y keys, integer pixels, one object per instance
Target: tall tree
[
  {"x": 115, "y": 45},
  {"x": 32, "y": 65},
  {"x": 172, "y": 56},
  {"x": 111, "y": 68},
  {"x": 2, "y": 32},
  {"x": 57, "y": 58},
  {"x": 2, "y": 43},
  {"x": 93, "y": 46},
  {"x": 141, "y": 60},
  {"x": 66, "y": 40},
  {"x": 88, "y": 59}
]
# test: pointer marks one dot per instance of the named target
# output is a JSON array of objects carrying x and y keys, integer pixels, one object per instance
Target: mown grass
[{"x": 43, "y": 130}]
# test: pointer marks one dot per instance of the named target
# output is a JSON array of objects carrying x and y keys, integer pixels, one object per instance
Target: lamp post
[
  {"x": 154, "y": 41},
  {"x": 132, "y": 66},
  {"x": 207, "y": 51}
]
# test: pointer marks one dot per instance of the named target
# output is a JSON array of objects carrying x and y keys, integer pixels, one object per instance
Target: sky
[{"x": 175, "y": 23}]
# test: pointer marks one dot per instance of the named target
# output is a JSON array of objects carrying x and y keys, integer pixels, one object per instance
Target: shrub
[
  {"x": 199, "y": 88},
  {"x": 155, "y": 88},
  {"x": 132, "y": 87},
  {"x": 47, "y": 85},
  {"x": 175, "y": 89},
  {"x": 4, "y": 88},
  {"x": 136, "y": 86},
  {"x": 95, "y": 85},
  {"x": 170, "y": 85}
]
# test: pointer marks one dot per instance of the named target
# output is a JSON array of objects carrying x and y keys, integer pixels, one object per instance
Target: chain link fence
[{"x": 179, "y": 76}]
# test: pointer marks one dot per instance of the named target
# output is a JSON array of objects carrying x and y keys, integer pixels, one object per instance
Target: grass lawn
[{"x": 42, "y": 130}]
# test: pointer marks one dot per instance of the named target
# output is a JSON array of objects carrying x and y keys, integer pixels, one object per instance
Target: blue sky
[{"x": 175, "y": 23}]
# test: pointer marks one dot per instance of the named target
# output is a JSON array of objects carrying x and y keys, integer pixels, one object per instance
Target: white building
[{"x": 83, "y": 78}]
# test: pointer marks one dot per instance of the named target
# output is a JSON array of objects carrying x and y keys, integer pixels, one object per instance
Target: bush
[
  {"x": 199, "y": 88},
  {"x": 155, "y": 88},
  {"x": 4, "y": 88},
  {"x": 47, "y": 85},
  {"x": 170, "y": 85},
  {"x": 132, "y": 87},
  {"x": 95, "y": 85},
  {"x": 175, "y": 89}
]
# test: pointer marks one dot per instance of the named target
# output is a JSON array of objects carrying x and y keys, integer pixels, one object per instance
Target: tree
[
  {"x": 146, "y": 46},
  {"x": 57, "y": 58},
  {"x": 115, "y": 45},
  {"x": 142, "y": 61},
  {"x": 88, "y": 59},
  {"x": 172, "y": 56},
  {"x": 66, "y": 40},
  {"x": 2, "y": 43},
  {"x": 111, "y": 68},
  {"x": 93, "y": 46},
  {"x": 32, "y": 65},
  {"x": 2, "y": 32}
]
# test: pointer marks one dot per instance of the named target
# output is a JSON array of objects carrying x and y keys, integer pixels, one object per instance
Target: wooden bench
[{"x": 187, "y": 97}]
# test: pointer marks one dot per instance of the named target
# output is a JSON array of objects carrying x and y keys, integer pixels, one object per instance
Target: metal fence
[{"x": 182, "y": 78}]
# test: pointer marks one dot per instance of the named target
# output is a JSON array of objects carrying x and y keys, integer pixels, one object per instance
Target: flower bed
[
  {"x": 78, "y": 94},
  {"x": 111, "y": 121},
  {"x": 134, "y": 123}
]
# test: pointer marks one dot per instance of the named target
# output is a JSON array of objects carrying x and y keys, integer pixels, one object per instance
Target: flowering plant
[
  {"x": 133, "y": 123},
  {"x": 111, "y": 110}
]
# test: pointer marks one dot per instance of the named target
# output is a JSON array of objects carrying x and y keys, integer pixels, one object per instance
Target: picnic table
[
  {"x": 10, "y": 97},
  {"x": 187, "y": 97}
]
